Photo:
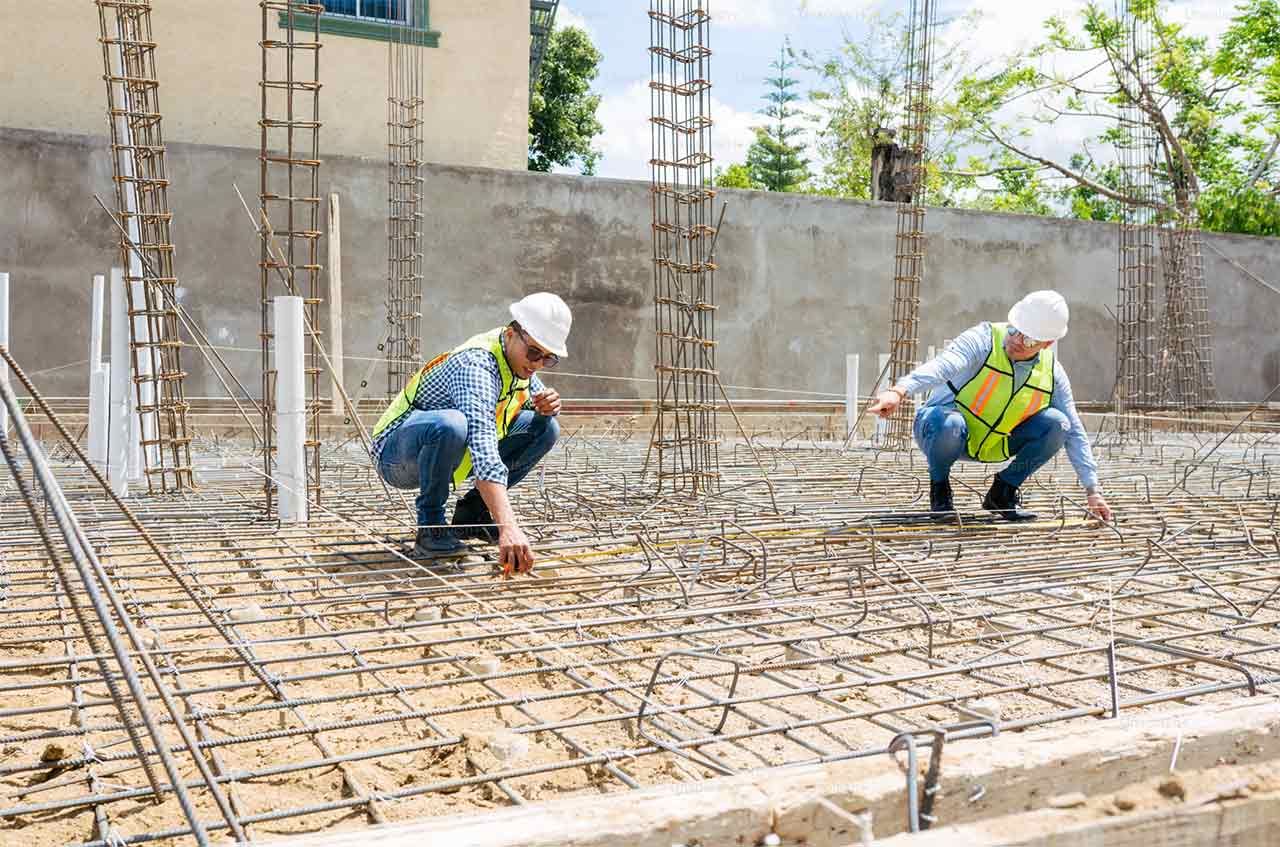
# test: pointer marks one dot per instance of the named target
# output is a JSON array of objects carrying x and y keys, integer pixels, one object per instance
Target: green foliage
[
  {"x": 860, "y": 101},
  {"x": 735, "y": 176},
  {"x": 1242, "y": 210},
  {"x": 1213, "y": 111},
  {"x": 562, "y": 110},
  {"x": 775, "y": 160}
]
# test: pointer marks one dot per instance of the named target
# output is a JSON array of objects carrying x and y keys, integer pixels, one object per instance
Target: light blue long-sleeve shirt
[{"x": 962, "y": 360}]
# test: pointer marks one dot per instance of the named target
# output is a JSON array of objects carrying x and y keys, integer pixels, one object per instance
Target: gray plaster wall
[{"x": 803, "y": 280}]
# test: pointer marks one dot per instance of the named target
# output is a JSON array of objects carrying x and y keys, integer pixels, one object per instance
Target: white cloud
[
  {"x": 774, "y": 14},
  {"x": 746, "y": 14},
  {"x": 567, "y": 17},
  {"x": 625, "y": 142},
  {"x": 835, "y": 8}
]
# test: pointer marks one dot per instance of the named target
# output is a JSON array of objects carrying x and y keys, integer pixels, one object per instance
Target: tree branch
[
  {"x": 994, "y": 171},
  {"x": 1264, "y": 164},
  {"x": 1079, "y": 179}
]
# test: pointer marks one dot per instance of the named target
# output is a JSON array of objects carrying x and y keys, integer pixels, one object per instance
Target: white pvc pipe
[
  {"x": 850, "y": 391},
  {"x": 99, "y": 379},
  {"x": 99, "y": 414},
  {"x": 882, "y": 425},
  {"x": 142, "y": 337},
  {"x": 334, "y": 241},
  {"x": 118, "y": 430},
  {"x": 4, "y": 342},
  {"x": 95, "y": 323},
  {"x": 291, "y": 411}
]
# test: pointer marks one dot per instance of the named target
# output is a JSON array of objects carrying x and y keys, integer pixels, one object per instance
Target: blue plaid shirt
[{"x": 470, "y": 382}]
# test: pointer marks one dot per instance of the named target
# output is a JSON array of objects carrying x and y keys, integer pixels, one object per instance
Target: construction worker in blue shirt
[{"x": 999, "y": 393}]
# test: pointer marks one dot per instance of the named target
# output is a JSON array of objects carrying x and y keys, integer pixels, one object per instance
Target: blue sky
[{"x": 746, "y": 36}]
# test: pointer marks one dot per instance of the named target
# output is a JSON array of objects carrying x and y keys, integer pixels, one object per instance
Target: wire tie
[{"x": 89, "y": 754}]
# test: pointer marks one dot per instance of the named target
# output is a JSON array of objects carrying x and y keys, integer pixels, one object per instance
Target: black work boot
[
  {"x": 940, "y": 496},
  {"x": 1003, "y": 500},
  {"x": 433, "y": 543},
  {"x": 472, "y": 510}
]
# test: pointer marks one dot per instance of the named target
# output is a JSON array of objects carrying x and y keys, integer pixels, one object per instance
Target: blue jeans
[
  {"x": 425, "y": 449},
  {"x": 942, "y": 432}
]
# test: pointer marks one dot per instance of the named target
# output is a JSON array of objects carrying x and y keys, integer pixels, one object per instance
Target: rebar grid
[
  {"x": 908, "y": 263},
  {"x": 684, "y": 228},
  {"x": 141, "y": 184},
  {"x": 1135, "y": 389},
  {"x": 404, "y": 195},
  {"x": 289, "y": 197},
  {"x": 660, "y": 642}
]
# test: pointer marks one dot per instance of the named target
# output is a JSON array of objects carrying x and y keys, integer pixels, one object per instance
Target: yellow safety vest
[
  {"x": 991, "y": 407},
  {"x": 511, "y": 398}
]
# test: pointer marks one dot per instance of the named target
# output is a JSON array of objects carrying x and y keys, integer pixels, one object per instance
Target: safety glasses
[
  {"x": 1026, "y": 339},
  {"x": 536, "y": 354}
]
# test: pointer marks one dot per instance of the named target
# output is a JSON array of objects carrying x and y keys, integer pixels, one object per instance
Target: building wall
[
  {"x": 802, "y": 280},
  {"x": 208, "y": 62}
]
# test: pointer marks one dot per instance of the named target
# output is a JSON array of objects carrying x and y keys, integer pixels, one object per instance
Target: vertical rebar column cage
[
  {"x": 1185, "y": 364},
  {"x": 289, "y": 194},
  {"x": 683, "y": 203},
  {"x": 908, "y": 263},
  {"x": 1135, "y": 290},
  {"x": 404, "y": 194},
  {"x": 141, "y": 187}
]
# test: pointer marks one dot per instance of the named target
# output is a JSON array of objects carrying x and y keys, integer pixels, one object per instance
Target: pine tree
[{"x": 774, "y": 160}]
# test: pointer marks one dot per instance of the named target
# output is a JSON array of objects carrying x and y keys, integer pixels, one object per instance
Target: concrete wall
[
  {"x": 209, "y": 63},
  {"x": 803, "y": 280}
]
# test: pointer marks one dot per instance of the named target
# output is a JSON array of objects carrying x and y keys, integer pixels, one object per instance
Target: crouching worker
[
  {"x": 479, "y": 410},
  {"x": 998, "y": 393}
]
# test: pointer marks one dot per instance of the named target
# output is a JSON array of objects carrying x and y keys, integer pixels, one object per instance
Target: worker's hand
[
  {"x": 1098, "y": 507},
  {"x": 547, "y": 402},
  {"x": 514, "y": 553},
  {"x": 886, "y": 404}
]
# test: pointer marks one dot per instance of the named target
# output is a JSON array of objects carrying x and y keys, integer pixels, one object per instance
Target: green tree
[
  {"x": 562, "y": 110},
  {"x": 860, "y": 102},
  {"x": 1207, "y": 107},
  {"x": 735, "y": 176},
  {"x": 775, "y": 160}
]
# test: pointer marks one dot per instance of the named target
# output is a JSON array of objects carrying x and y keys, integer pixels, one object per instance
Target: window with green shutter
[{"x": 379, "y": 20}]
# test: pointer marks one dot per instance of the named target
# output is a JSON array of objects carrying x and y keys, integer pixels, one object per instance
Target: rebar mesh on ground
[
  {"x": 141, "y": 183},
  {"x": 659, "y": 642},
  {"x": 1135, "y": 389},
  {"x": 404, "y": 197},
  {"x": 908, "y": 263},
  {"x": 684, "y": 231},
  {"x": 289, "y": 194}
]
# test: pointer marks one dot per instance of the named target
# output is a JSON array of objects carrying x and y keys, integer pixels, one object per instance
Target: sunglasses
[
  {"x": 1026, "y": 339},
  {"x": 536, "y": 354}
]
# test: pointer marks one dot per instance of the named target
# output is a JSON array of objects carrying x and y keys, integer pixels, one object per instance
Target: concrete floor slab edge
[{"x": 1015, "y": 772}]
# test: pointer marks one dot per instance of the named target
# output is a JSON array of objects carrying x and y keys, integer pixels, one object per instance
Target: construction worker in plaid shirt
[{"x": 479, "y": 411}]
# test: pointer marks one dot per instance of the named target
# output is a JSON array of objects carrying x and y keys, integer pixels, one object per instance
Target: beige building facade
[{"x": 475, "y": 86}]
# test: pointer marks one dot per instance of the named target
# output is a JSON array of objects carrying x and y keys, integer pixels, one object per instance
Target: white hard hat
[
  {"x": 1041, "y": 315},
  {"x": 547, "y": 320}
]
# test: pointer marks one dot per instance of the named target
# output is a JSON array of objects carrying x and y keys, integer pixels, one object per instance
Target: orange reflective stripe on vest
[{"x": 991, "y": 408}]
